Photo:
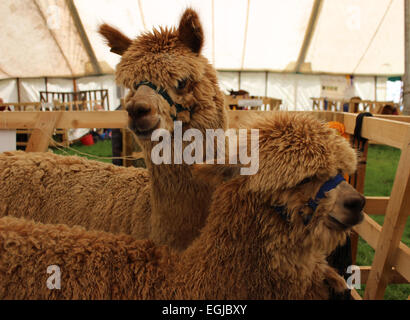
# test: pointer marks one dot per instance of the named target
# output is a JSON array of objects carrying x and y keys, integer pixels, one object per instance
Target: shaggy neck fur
[
  {"x": 180, "y": 205},
  {"x": 175, "y": 193},
  {"x": 249, "y": 251},
  {"x": 168, "y": 58}
]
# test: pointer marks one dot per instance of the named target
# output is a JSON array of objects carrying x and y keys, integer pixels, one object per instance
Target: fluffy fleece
[
  {"x": 57, "y": 189},
  {"x": 163, "y": 57},
  {"x": 245, "y": 251},
  {"x": 168, "y": 57}
]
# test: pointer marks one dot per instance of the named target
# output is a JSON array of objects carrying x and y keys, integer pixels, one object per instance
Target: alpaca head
[
  {"x": 297, "y": 155},
  {"x": 168, "y": 78}
]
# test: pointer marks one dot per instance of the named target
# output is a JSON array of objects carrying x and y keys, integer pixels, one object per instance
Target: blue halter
[
  {"x": 179, "y": 108},
  {"x": 312, "y": 203}
]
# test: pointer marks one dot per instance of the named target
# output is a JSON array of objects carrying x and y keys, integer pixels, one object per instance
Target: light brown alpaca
[
  {"x": 75, "y": 191},
  {"x": 245, "y": 251},
  {"x": 168, "y": 58}
]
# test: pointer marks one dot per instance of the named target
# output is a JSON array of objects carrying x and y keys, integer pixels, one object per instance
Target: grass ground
[
  {"x": 380, "y": 172},
  {"x": 99, "y": 149},
  {"x": 381, "y": 168}
]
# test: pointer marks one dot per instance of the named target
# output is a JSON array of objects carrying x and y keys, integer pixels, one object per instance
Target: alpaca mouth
[
  {"x": 357, "y": 219},
  {"x": 146, "y": 134},
  {"x": 339, "y": 225}
]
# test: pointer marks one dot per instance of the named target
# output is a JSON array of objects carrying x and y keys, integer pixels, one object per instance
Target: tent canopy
[{"x": 58, "y": 38}]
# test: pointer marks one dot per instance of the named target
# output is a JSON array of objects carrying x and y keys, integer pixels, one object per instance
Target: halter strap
[
  {"x": 312, "y": 203},
  {"x": 326, "y": 187},
  {"x": 179, "y": 108}
]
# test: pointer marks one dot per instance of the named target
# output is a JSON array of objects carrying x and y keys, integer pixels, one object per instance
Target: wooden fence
[
  {"x": 352, "y": 105},
  {"x": 56, "y": 105},
  {"x": 78, "y": 98},
  {"x": 391, "y": 262},
  {"x": 255, "y": 103}
]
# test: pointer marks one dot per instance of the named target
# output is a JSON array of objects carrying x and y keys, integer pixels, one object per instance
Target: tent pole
[
  {"x": 314, "y": 17},
  {"x": 74, "y": 85},
  {"x": 406, "y": 78},
  {"x": 266, "y": 83},
  {"x": 18, "y": 90},
  {"x": 83, "y": 36},
  {"x": 295, "y": 96},
  {"x": 375, "y": 88}
]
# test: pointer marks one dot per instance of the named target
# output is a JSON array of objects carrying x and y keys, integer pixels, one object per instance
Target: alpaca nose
[
  {"x": 355, "y": 204},
  {"x": 142, "y": 115},
  {"x": 138, "y": 110}
]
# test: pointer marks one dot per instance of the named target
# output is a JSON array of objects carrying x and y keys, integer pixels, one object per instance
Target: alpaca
[
  {"x": 75, "y": 191},
  {"x": 246, "y": 250},
  {"x": 170, "y": 80},
  {"x": 170, "y": 59}
]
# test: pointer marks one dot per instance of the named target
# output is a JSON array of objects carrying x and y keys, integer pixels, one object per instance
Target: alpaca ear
[
  {"x": 116, "y": 40},
  {"x": 215, "y": 173},
  {"x": 190, "y": 31}
]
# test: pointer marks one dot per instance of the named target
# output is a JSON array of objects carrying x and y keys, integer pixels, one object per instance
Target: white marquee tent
[{"x": 283, "y": 49}]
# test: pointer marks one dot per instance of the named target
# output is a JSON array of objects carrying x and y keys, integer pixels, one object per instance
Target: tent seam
[
  {"x": 373, "y": 37},
  {"x": 245, "y": 35},
  {"x": 83, "y": 37},
  {"x": 53, "y": 36},
  {"x": 142, "y": 15}
]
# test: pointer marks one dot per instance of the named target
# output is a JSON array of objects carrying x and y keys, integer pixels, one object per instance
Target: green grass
[
  {"x": 380, "y": 172},
  {"x": 381, "y": 168},
  {"x": 99, "y": 149}
]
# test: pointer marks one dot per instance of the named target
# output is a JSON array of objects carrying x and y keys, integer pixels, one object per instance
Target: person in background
[{"x": 389, "y": 109}]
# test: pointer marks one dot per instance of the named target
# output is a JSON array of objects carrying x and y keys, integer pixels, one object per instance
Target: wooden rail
[
  {"x": 391, "y": 262},
  {"x": 84, "y": 95},
  {"x": 351, "y": 105},
  {"x": 24, "y": 106},
  {"x": 67, "y": 120},
  {"x": 273, "y": 103},
  {"x": 83, "y": 105},
  {"x": 376, "y": 205},
  {"x": 390, "y": 252}
]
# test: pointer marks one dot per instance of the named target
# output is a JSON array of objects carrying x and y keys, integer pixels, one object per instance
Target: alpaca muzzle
[
  {"x": 143, "y": 119},
  {"x": 348, "y": 208},
  {"x": 176, "y": 107},
  {"x": 347, "y": 211}
]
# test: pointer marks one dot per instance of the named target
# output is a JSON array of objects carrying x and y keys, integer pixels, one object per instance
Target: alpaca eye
[
  {"x": 181, "y": 84},
  {"x": 306, "y": 180}
]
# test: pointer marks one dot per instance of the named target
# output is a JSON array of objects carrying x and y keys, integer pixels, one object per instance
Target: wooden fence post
[
  {"x": 44, "y": 127},
  {"x": 397, "y": 211}
]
